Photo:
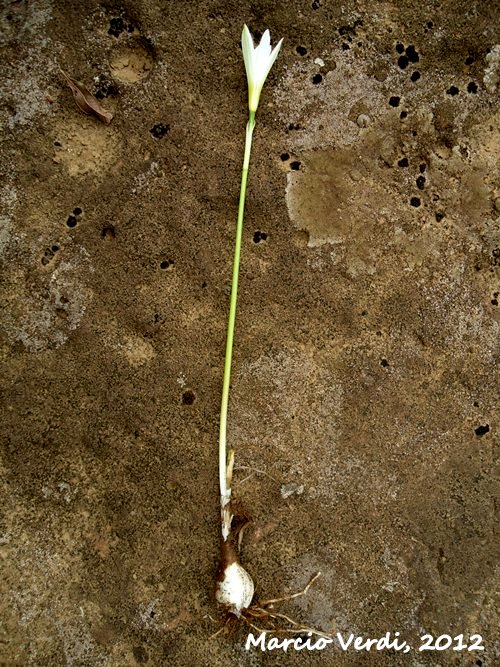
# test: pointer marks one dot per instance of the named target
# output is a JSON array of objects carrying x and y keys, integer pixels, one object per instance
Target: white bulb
[{"x": 235, "y": 590}]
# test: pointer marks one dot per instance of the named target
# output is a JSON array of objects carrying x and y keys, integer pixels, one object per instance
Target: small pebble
[
  {"x": 291, "y": 489},
  {"x": 363, "y": 120},
  {"x": 319, "y": 61}
]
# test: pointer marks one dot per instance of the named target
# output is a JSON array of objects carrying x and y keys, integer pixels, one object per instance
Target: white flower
[{"x": 258, "y": 62}]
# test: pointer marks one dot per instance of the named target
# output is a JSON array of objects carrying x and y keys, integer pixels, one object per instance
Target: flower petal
[
  {"x": 265, "y": 43},
  {"x": 274, "y": 54},
  {"x": 248, "y": 51}
]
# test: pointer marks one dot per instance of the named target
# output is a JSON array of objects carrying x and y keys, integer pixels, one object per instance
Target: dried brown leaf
[{"x": 86, "y": 102}]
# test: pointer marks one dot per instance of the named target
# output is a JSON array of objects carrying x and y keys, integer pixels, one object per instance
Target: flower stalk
[{"x": 226, "y": 462}]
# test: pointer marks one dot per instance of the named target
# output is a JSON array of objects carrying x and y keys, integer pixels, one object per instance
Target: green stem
[{"x": 225, "y": 490}]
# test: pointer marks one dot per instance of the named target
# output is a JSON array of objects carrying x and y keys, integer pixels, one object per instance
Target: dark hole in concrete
[
  {"x": 301, "y": 50},
  {"x": 349, "y": 29},
  {"x": 108, "y": 232},
  {"x": 188, "y": 397},
  {"x": 415, "y": 202},
  {"x": 494, "y": 302},
  {"x": 77, "y": 210},
  {"x": 58, "y": 144},
  {"x": 384, "y": 363},
  {"x": 472, "y": 87},
  {"x": 422, "y": 167},
  {"x": 293, "y": 126},
  {"x": 345, "y": 46},
  {"x": 403, "y": 162},
  {"x": 400, "y": 47},
  {"x": 295, "y": 165},
  {"x": 159, "y": 130},
  {"x": 204, "y": 284},
  {"x": 452, "y": 90},
  {"x": 412, "y": 54},
  {"x": 429, "y": 24},
  {"x": 482, "y": 430},
  {"x": 316, "y": 4},
  {"x": 166, "y": 264},
  {"x": 394, "y": 101},
  {"x": 71, "y": 221},
  {"x": 415, "y": 76},
  {"x": 317, "y": 78},
  {"x": 421, "y": 182},
  {"x": 403, "y": 62},
  {"x": 116, "y": 27},
  {"x": 259, "y": 236},
  {"x": 284, "y": 157},
  {"x": 439, "y": 216},
  {"x": 403, "y": 115},
  {"x": 105, "y": 89},
  {"x": 469, "y": 60}
]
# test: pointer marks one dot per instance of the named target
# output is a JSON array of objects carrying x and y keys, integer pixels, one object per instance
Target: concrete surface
[{"x": 366, "y": 362}]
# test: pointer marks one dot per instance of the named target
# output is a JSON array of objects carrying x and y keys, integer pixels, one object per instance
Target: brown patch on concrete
[{"x": 130, "y": 63}]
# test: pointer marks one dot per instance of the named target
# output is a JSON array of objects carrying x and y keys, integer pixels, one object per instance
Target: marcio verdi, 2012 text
[{"x": 390, "y": 641}]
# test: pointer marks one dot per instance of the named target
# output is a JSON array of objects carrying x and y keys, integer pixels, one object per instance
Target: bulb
[{"x": 234, "y": 589}]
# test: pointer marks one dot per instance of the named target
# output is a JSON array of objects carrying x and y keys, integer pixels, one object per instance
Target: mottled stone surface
[{"x": 366, "y": 361}]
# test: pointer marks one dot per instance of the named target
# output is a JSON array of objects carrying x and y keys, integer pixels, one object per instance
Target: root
[
  {"x": 254, "y": 471},
  {"x": 293, "y": 628},
  {"x": 221, "y": 629},
  {"x": 268, "y": 603}
]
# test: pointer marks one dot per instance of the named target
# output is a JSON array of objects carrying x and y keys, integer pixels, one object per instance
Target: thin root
[
  {"x": 221, "y": 629},
  {"x": 255, "y": 627},
  {"x": 297, "y": 628},
  {"x": 293, "y": 595},
  {"x": 255, "y": 471}
]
